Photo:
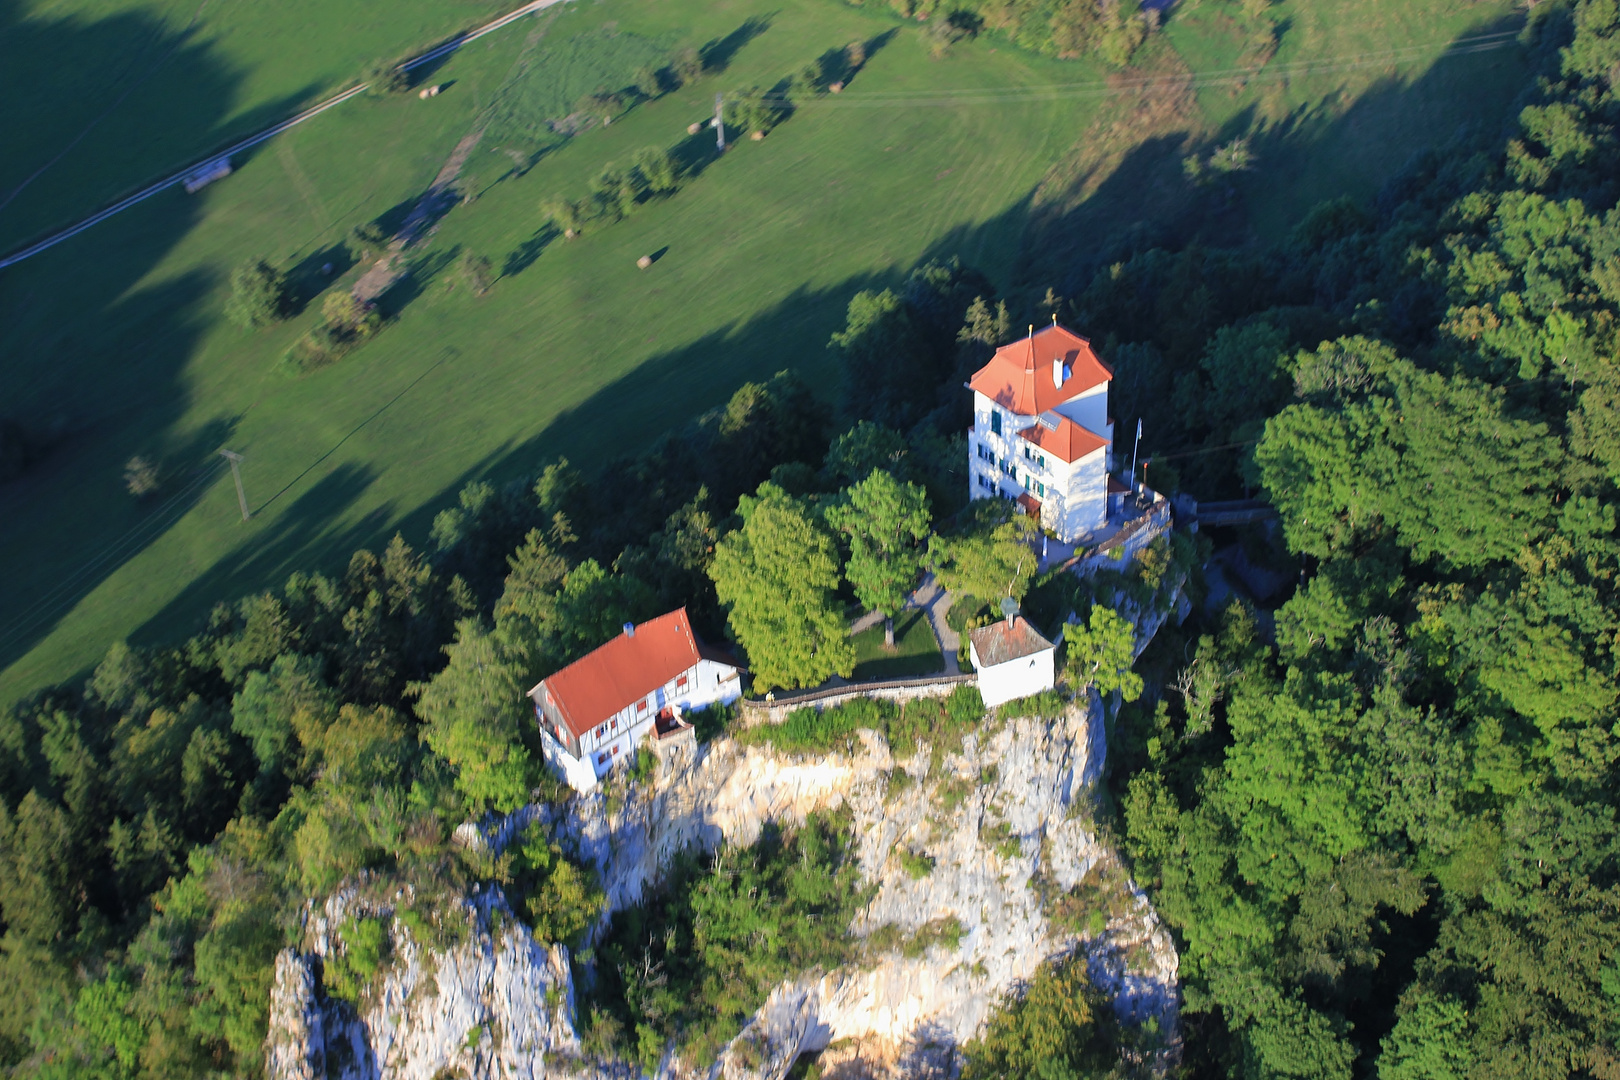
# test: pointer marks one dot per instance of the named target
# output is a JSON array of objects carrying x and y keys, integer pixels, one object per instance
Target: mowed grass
[
  {"x": 115, "y": 342},
  {"x": 916, "y": 651},
  {"x": 104, "y": 95}
]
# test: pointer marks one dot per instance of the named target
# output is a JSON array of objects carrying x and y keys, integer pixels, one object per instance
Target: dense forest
[{"x": 1378, "y": 813}]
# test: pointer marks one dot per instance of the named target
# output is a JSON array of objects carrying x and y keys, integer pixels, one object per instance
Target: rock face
[
  {"x": 1004, "y": 819},
  {"x": 498, "y": 1003}
]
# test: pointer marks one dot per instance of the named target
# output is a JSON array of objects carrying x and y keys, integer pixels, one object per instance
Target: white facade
[
  {"x": 582, "y": 761},
  {"x": 1073, "y": 494},
  {"x": 1015, "y": 678}
]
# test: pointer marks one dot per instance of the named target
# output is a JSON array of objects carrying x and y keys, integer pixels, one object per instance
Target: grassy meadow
[{"x": 113, "y": 344}]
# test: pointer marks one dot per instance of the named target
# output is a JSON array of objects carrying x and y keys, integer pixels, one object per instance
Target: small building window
[
  {"x": 995, "y": 421},
  {"x": 616, "y": 746},
  {"x": 680, "y": 683},
  {"x": 641, "y": 706},
  {"x": 601, "y": 731}
]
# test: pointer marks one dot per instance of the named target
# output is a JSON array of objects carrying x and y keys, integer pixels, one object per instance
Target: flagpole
[{"x": 1137, "y": 446}]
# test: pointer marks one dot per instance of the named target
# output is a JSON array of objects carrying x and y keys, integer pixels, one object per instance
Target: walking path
[
  {"x": 178, "y": 178},
  {"x": 936, "y": 602}
]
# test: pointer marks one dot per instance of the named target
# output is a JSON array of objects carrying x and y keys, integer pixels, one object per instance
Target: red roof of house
[
  {"x": 625, "y": 670},
  {"x": 1031, "y": 505},
  {"x": 1062, "y": 438},
  {"x": 1019, "y": 376},
  {"x": 1117, "y": 486}
]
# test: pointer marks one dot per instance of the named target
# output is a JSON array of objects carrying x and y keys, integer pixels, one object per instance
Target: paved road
[{"x": 177, "y": 178}]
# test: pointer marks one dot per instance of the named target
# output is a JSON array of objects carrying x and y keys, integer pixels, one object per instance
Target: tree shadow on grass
[
  {"x": 524, "y": 255},
  {"x": 658, "y": 395},
  {"x": 93, "y": 344},
  {"x": 718, "y": 54}
]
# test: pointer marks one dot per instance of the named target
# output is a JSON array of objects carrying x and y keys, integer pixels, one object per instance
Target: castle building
[{"x": 1041, "y": 433}]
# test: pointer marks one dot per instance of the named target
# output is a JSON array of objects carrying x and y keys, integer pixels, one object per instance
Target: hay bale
[
  {"x": 693, "y": 129},
  {"x": 429, "y": 91},
  {"x": 644, "y": 262},
  {"x": 837, "y": 88},
  {"x": 756, "y": 136}
]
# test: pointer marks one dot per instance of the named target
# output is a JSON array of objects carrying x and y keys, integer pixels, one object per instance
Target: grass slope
[
  {"x": 916, "y": 650},
  {"x": 115, "y": 341}
]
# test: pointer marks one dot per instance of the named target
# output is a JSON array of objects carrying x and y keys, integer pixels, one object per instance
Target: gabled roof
[
  {"x": 1006, "y": 640},
  {"x": 1019, "y": 376},
  {"x": 1062, "y": 438},
  {"x": 625, "y": 670}
]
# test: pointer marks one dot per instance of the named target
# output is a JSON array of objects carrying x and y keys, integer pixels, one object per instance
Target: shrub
[
  {"x": 259, "y": 295},
  {"x": 347, "y": 972},
  {"x": 368, "y": 234},
  {"x": 386, "y": 77},
  {"x": 686, "y": 66},
  {"x": 477, "y": 272},
  {"x": 1001, "y": 839},
  {"x": 811, "y": 730},
  {"x": 645, "y": 767},
  {"x": 755, "y": 110},
  {"x": 141, "y": 477},
  {"x": 657, "y": 169},
  {"x": 1048, "y": 704},
  {"x": 916, "y": 864},
  {"x": 945, "y": 932}
]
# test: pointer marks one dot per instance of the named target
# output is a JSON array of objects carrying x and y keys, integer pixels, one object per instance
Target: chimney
[
  {"x": 629, "y": 629},
  {"x": 1057, "y": 372}
]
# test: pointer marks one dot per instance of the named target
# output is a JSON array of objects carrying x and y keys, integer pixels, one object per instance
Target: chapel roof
[{"x": 1007, "y": 640}]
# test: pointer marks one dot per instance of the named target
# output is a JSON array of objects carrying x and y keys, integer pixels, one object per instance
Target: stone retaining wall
[{"x": 900, "y": 690}]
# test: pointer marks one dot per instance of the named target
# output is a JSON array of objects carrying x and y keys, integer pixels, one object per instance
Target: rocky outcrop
[
  {"x": 495, "y": 1004},
  {"x": 1004, "y": 818}
]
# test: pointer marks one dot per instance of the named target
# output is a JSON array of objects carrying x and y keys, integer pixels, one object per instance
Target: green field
[{"x": 113, "y": 343}]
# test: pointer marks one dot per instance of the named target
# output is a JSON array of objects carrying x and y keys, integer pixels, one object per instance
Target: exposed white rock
[
  {"x": 497, "y": 1004},
  {"x": 1005, "y": 820}
]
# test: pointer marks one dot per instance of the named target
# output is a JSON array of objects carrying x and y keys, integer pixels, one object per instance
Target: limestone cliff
[{"x": 1004, "y": 819}]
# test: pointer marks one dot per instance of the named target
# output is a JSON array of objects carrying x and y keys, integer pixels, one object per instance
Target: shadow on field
[
  {"x": 1083, "y": 216},
  {"x": 93, "y": 372}
]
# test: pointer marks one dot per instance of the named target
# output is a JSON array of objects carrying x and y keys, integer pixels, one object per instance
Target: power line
[
  {"x": 1062, "y": 91},
  {"x": 68, "y": 590},
  {"x": 177, "y": 178}
]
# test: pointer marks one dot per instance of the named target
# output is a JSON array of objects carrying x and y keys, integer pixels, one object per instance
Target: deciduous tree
[{"x": 777, "y": 575}]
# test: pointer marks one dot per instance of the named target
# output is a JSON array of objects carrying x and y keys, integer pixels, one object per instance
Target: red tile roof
[
  {"x": 1031, "y": 505},
  {"x": 1117, "y": 486},
  {"x": 1064, "y": 439},
  {"x": 1005, "y": 640},
  {"x": 1019, "y": 376},
  {"x": 625, "y": 670}
]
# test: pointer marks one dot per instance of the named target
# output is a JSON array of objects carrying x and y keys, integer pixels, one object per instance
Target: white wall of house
[
  {"x": 1073, "y": 495},
  {"x": 614, "y": 740},
  {"x": 1016, "y": 678},
  {"x": 570, "y": 769}
]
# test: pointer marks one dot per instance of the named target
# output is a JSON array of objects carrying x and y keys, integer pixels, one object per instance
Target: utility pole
[
  {"x": 719, "y": 125},
  {"x": 236, "y": 472}
]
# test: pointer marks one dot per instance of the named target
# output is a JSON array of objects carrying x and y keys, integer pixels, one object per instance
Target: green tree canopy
[
  {"x": 993, "y": 558},
  {"x": 777, "y": 575},
  {"x": 885, "y": 521},
  {"x": 1101, "y": 653},
  {"x": 471, "y": 711}
]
